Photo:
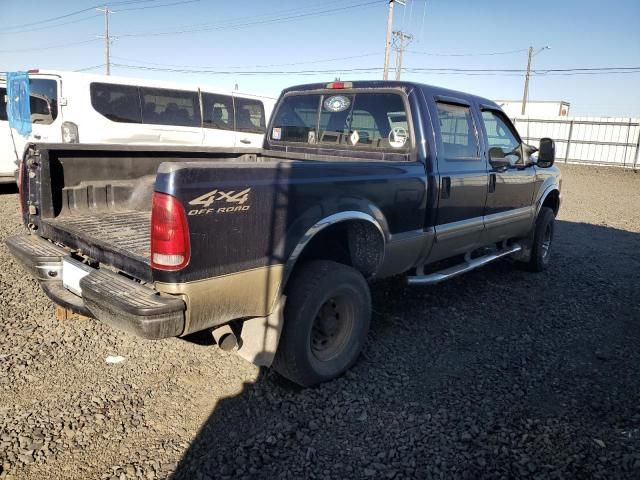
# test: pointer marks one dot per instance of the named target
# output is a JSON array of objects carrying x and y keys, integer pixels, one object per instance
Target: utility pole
[
  {"x": 387, "y": 49},
  {"x": 107, "y": 38},
  {"x": 525, "y": 95},
  {"x": 402, "y": 36}
]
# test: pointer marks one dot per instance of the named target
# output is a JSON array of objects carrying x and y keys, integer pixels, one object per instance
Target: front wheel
[
  {"x": 542, "y": 240},
  {"x": 326, "y": 321}
]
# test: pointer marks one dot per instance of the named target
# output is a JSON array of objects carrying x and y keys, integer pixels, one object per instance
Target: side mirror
[
  {"x": 546, "y": 152},
  {"x": 498, "y": 159}
]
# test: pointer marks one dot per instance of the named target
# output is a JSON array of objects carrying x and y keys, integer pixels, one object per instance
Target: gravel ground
[{"x": 499, "y": 373}]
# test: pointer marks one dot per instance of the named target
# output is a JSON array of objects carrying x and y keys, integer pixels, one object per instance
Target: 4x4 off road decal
[{"x": 217, "y": 196}]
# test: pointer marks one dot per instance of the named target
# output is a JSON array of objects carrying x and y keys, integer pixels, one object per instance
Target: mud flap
[{"x": 260, "y": 336}]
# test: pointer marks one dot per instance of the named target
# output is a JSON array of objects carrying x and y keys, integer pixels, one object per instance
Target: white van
[
  {"x": 76, "y": 107},
  {"x": 7, "y": 150}
]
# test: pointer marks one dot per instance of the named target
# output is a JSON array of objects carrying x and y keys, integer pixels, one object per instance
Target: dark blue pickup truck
[{"x": 272, "y": 250}]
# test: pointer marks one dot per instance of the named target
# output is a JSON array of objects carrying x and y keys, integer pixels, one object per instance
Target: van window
[
  {"x": 249, "y": 115},
  {"x": 217, "y": 111},
  {"x": 119, "y": 103},
  {"x": 170, "y": 107},
  {"x": 43, "y": 100},
  {"x": 458, "y": 132},
  {"x": 3, "y": 103}
]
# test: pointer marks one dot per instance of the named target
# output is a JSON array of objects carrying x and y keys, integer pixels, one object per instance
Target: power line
[
  {"x": 51, "y": 47},
  {"x": 351, "y": 57},
  {"x": 88, "y": 9},
  {"x": 47, "y": 27},
  {"x": 246, "y": 72},
  {"x": 226, "y": 26},
  {"x": 450, "y": 71},
  {"x": 155, "y": 6},
  {"x": 424, "y": 14},
  {"x": 259, "y": 16},
  {"x": 93, "y": 67},
  {"x": 433, "y": 54}
]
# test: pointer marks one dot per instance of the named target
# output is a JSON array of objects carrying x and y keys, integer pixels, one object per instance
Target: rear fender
[{"x": 317, "y": 219}]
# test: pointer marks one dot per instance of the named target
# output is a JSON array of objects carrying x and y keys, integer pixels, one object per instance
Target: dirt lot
[{"x": 500, "y": 373}]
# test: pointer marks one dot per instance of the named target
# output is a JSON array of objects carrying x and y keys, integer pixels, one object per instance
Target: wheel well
[
  {"x": 552, "y": 201},
  {"x": 355, "y": 242}
]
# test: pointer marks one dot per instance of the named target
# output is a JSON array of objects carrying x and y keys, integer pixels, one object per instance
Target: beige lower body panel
[
  {"x": 218, "y": 300},
  {"x": 505, "y": 225}
]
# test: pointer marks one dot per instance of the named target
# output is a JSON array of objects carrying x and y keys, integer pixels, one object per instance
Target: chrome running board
[{"x": 468, "y": 265}]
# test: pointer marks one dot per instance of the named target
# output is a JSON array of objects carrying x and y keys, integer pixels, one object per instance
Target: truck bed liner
[{"x": 124, "y": 233}]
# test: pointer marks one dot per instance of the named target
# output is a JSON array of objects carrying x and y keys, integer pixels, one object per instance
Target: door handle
[
  {"x": 246, "y": 141},
  {"x": 445, "y": 187},
  {"x": 492, "y": 182},
  {"x": 37, "y": 137}
]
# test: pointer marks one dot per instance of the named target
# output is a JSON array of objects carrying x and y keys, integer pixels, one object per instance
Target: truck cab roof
[{"x": 427, "y": 89}]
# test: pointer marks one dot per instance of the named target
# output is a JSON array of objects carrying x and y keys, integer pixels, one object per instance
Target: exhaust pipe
[{"x": 225, "y": 338}]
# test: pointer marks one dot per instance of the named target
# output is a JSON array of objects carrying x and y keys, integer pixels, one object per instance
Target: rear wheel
[
  {"x": 542, "y": 240},
  {"x": 326, "y": 321}
]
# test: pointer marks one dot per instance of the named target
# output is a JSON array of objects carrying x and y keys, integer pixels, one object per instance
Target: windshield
[{"x": 352, "y": 120}]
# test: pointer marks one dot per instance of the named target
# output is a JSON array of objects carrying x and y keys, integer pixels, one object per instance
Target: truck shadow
[
  {"x": 8, "y": 189},
  {"x": 496, "y": 354}
]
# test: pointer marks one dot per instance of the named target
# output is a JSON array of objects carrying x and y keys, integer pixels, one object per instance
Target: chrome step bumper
[{"x": 468, "y": 265}]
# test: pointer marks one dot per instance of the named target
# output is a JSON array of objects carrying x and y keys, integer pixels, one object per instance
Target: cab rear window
[{"x": 376, "y": 120}]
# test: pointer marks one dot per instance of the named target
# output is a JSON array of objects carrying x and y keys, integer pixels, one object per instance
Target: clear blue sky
[{"x": 581, "y": 33}]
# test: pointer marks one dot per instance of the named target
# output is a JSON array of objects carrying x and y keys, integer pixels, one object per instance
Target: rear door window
[
  {"x": 249, "y": 115},
  {"x": 362, "y": 120},
  {"x": 170, "y": 107},
  {"x": 119, "y": 103},
  {"x": 217, "y": 111},
  {"x": 43, "y": 100},
  {"x": 3, "y": 103},
  {"x": 458, "y": 132}
]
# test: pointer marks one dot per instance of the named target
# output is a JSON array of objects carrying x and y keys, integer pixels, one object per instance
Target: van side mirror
[
  {"x": 546, "y": 152},
  {"x": 498, "y": 159}
]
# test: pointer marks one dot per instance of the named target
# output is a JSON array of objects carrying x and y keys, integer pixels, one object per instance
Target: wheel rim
[
  {"x": 546, "y": 242},
  {"x": 332, "y": 327}
]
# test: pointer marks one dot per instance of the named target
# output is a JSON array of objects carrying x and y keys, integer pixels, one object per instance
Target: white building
[{"x": 552, "y": 108}]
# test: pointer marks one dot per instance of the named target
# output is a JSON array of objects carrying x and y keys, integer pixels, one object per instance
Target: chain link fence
[{"x": 591, "y": 140}]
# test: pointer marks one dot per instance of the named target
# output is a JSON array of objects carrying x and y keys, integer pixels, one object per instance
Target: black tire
[
  {"x": 326, "y": 321},
  {"x": 542, "y": 240}
]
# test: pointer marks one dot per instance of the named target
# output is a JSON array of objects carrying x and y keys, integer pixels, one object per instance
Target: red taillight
[{"x": 170, "y": 245}]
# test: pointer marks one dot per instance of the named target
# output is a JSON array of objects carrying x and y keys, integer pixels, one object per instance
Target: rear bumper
[{"x": 111, "y": 298}]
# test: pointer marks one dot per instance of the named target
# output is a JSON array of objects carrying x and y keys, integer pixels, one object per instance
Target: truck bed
[
  {"x": 96, "y": 199},
  {"x": 122, "y": 235}
]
